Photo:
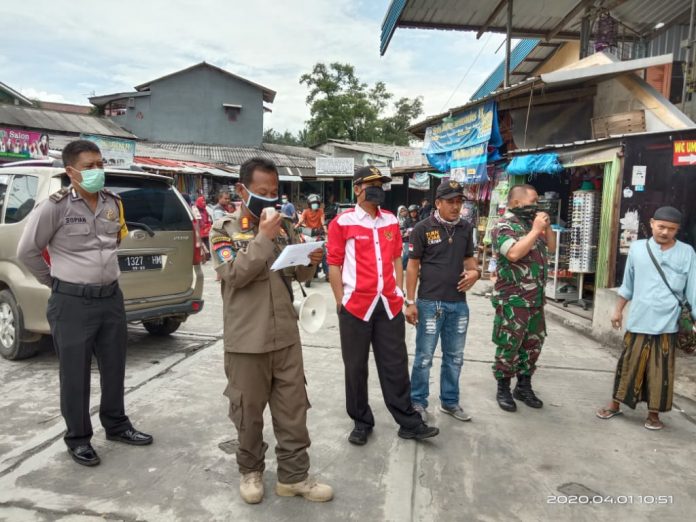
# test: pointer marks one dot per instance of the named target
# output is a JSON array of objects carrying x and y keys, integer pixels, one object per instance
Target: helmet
[
  {"x": 413, "y": 208},
  {"x": 313, "y": 198}
]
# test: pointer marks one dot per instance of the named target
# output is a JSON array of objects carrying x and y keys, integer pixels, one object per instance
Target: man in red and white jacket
[{"x": 366, "y": 275}]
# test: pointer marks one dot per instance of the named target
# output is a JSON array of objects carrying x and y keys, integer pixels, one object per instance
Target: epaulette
[
  {"x": 219, "y": 224},
  {"x": 58, "y": 196},
  {"x": 111, "y": 193}
]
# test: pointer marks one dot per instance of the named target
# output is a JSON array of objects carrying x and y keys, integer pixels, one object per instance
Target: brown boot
[
  {"x": 309, "y": 488},
  {"x": 251, "y": 487}
]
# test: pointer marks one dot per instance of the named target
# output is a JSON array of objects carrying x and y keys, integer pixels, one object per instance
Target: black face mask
[
  {"x": 375, "y": 195},
  {"x": 527, "y": 212},
  {"x": 256, "y": 204}
]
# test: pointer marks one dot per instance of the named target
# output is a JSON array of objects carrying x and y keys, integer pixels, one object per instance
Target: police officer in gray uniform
[{"x": 82, "y": 226}]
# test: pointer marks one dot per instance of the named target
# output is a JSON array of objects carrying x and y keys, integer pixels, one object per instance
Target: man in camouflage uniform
[
  {"x": 522, "y": 239},
  {"x": 263, "y": 354}
]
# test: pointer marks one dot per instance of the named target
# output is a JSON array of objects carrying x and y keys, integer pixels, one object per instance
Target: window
[
  {"x": 21, "y": 197},
  {"x": 150, "y": 202}
]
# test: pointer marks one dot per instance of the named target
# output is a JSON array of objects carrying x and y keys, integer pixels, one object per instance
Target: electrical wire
[{"x": 471, "y": 65}]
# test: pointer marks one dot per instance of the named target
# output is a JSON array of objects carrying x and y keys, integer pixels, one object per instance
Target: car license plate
[{"x": 138, "y": 263}]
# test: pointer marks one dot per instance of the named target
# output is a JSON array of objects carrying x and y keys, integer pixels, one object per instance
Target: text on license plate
[{"x": 136, "y": 263}]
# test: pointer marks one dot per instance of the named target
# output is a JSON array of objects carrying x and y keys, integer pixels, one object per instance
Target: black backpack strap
[{"x": 682, "y": 302}]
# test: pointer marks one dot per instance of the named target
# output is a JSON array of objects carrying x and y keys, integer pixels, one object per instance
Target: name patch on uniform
[
  {"x": 433, "y": 237},
  {"x": 220, "y": 239},
  {"x": 74, "y": 220}
]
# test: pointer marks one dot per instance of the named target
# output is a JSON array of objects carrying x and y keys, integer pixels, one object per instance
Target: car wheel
[
  {"x": 12, "y": 330},
  {"x": 161, "y": 327}
]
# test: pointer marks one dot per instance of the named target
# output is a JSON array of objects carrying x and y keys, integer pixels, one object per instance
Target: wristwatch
[{"x": 409, "y": 302}]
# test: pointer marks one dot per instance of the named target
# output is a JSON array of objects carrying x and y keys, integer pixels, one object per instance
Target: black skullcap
[{"x": 670, "y": 214}]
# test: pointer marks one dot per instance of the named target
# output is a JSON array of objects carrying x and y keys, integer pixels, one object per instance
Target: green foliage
[
  {"x": 285, "y": 138},
  {"x": 343, "y": 107}
]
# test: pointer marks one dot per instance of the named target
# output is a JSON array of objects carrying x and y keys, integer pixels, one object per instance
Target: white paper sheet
[{"x": 295, "y": 255}]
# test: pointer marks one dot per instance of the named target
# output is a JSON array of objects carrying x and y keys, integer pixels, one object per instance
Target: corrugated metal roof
[
  {"x": 42, "y": 119},
  {"x": 517, "y": 55},
  {"x": 378, "y": 149},
  {"x": 15, "y": 94},
  {"x": 531, "y": 18},
  {"x": 291, "y": 150},
  {"x": 224, "y": 154}
]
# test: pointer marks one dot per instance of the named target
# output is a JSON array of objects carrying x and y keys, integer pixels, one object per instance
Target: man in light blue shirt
[{"x": 645, "y": 371}]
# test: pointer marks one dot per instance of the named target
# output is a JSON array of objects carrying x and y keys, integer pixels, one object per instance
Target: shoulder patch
[
  {"x": 57, "y": 196},
  {"x": 110, "y": 193}
]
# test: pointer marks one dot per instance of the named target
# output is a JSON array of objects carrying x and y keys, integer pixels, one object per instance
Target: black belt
[{"x": 91, "y": 291}]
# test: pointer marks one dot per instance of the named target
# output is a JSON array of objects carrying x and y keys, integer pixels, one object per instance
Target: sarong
[{"x": 645, "y": 371}]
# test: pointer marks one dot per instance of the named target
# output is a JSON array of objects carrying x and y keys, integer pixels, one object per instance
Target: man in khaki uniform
[
  {"x": 263, "y": 354},
  {"x": 81, "y": 227}
]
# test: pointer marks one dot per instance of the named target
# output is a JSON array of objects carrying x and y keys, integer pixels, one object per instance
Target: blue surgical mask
[
  {"x": 315, "y": 206},
  {"x": 92, "y": 180}
]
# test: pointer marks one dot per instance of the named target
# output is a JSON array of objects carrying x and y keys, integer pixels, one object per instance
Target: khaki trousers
[{"x": 277, "y": 379}]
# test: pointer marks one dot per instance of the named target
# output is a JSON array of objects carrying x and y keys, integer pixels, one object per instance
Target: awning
[
  {"x": 291, "y": 179},
  {"x": 598, "y": 73},
  {"x": 545, "y": 163}
]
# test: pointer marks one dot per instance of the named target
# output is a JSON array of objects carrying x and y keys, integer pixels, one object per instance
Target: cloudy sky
[{"x": 67, "y": 50}]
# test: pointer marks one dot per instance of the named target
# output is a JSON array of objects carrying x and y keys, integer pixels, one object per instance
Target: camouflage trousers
[{"x": 518, "y": 334}]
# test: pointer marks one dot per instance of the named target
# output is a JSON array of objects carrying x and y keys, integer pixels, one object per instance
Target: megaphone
[{"x": 311, "y": 311}]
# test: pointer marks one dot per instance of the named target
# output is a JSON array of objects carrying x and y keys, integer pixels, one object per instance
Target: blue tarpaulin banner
[
  {"x": 547, "y": 163},
  {"x": 465, "y": 144}
]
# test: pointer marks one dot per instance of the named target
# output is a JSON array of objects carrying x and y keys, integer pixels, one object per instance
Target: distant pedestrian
[
  {"x": 82, "y": 226},
  {"x": 366, "y": 279},
  {"x": 222, "y": 207},
  {"x": 205, "y": 222},
  {"x": 521, "y": 240},
  {"x": 659, "y": 279},
  {"x": 425, "y": 210},
  {"x": 441, "y": 257}
]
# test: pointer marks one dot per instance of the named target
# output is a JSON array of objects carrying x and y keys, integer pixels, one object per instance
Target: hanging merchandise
[
  {"x": 585, "y": 231},
  {"x": 419, "y": 181}
]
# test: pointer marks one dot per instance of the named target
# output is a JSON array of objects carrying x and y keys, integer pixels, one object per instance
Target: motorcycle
[{"x": 310, "y": 235}]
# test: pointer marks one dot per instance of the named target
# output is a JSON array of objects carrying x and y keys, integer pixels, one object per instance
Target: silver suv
[{"x": 160, "y": 258}]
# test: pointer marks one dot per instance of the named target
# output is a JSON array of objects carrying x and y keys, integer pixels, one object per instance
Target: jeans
[
  {"x": 404, "y": 254},
  {"x": 447, "y": 321}
]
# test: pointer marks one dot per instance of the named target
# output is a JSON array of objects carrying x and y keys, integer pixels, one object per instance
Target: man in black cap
[
  {"x": 366, "y": 276},
  {"x": 659, "y": 278},
  {"x": 441, "y": 250}
]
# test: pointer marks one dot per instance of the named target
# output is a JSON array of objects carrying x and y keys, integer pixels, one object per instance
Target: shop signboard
[
  {"x": 684, "y": 153},
  {"x": 115, "y": 152},
  {"x": 408, "y": 157},
  {"x": 335, "y": 167},
  {"x": 18, "y": 144},
  {"x": 465, "y": 143}
]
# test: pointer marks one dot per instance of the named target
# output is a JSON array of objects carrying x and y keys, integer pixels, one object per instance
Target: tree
[
  {"x": 285, "y": 138},
  {"x": 343, "y": 107}
]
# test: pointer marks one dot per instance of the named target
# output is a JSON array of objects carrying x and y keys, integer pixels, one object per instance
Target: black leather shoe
[
  {"x": 524, "y": 392},
  {"x": 359, "y": 436},
  {"x": 132, "y": 436},
  {"x": 420, "y": 432},
  {"x": 504, "y": 397},
  {"x": 84, "y": 455}
]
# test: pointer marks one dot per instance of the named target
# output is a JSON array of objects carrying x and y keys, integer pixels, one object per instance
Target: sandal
[
  {"x": 607, "y": 413},
  {"x": 652, "y": 425}
]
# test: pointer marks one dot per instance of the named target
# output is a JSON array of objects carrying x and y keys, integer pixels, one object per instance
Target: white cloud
[{"x": 83, "y": 46}]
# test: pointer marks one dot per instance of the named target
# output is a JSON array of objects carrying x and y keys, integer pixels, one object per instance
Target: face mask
[
  {"x": 256, "y": 203},
  {"x": 527, "y": 212},
  {"x": 374, "y": 195},
  {"x": 284, "y": 200},
  {"x": 315, "y": 206},
  {"x": 92, "y": 180}
]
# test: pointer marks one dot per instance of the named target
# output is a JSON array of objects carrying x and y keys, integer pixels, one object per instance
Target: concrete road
[{"x": 531, "y": 465}]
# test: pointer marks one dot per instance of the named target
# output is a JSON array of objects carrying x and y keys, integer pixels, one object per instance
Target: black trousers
[
  {"x": 81, "y": 327},
  {"x": 391, "y": 358}
]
